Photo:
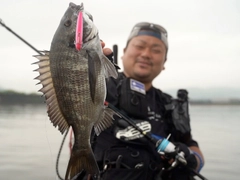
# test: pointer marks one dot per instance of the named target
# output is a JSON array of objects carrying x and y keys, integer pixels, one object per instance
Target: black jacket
[{"x": 107, "y": 147}]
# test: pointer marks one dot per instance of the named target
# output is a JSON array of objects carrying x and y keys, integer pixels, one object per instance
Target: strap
[{"x": 200, "y": 161}]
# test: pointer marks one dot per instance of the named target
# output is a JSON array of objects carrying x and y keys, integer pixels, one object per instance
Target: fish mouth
[
  {"x": 89, "y": 32},
  {"x": 77, "y": 7},
  {"x": 80, "y": 8}
]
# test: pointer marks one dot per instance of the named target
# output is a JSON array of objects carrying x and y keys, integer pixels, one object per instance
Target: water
[
  {"x": 217, "y": 130},
  {"x": 29, "y": 143}
]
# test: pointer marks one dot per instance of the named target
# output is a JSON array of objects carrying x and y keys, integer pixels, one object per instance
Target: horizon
[{"x": 202, "y": 94}]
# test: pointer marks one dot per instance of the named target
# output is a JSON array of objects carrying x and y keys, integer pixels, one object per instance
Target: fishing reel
[{"x": 170, "y": 151}]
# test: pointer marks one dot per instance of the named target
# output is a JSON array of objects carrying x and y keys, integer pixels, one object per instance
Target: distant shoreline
[{"x": 11, "y": 97}]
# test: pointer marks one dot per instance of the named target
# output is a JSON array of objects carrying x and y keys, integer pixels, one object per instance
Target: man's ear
[
  {"x": 164, "y": 64},
  {"x": 123, "y": 52}
]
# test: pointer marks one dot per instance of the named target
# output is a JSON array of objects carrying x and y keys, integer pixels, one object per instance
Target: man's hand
[
  {"x": 106, "y": 51},
  {"x": 181, "y": 155},
  {"x": 189, "y": 156}
]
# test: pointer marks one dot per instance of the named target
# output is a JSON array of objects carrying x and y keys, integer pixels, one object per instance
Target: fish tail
[{"x": 82, "y": 161}]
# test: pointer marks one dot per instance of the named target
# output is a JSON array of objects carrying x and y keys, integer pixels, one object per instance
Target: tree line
[{"x": 13, "y": 97}]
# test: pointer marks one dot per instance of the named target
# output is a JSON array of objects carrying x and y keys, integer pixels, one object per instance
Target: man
[{"x": 121, "y": 151}]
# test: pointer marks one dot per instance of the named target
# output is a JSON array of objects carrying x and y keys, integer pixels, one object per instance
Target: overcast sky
[{"x": 204, "y": 37}]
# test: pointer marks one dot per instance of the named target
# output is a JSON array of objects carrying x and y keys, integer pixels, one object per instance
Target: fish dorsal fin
[
  {"x": 110, "y": 69},
  {"x": 105, "y": 121},
  {"x": 48, "y": 91}
]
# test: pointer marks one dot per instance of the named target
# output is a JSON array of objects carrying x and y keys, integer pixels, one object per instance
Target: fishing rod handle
[{"x": 163, "y": 145}]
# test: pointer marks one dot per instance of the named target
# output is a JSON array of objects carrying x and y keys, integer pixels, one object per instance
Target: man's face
[{"x": 144, "y": 58}]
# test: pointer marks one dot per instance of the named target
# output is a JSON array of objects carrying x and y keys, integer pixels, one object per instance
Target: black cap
[{"x": 150, "y": 29}]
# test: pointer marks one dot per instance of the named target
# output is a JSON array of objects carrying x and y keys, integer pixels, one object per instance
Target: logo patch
[{"x": 137, "y": 86}]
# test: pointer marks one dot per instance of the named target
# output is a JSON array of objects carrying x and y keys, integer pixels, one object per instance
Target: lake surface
[{"x": 29, "y": 143}]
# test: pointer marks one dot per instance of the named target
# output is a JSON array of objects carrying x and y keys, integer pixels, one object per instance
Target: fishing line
[
  {"x": 58, "y": 156},
  {"x": 51, "y": 154},
  {"x": 1, "y": 22},
  {"x": 59, "y": 153},
  {"x": 61, "y": 146}
]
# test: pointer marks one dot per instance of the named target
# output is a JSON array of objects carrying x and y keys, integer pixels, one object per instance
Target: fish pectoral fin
[
  {"x": 110, "y": 69},
  {"x": 93, "y": 58},
  {"x": 104, "y": 122}
]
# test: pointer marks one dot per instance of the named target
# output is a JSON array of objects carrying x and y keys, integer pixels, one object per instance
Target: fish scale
[{"x": 75, "y": 89}]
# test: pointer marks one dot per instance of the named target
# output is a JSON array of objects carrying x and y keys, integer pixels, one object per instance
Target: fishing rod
[
  {"x": 132, "y": 123},
  {"x": 1, "y": 22},
  {"x": 161, "y": 144}
]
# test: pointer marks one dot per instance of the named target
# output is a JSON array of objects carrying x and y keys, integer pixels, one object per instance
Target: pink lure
[{"x": 79, "y": 32}]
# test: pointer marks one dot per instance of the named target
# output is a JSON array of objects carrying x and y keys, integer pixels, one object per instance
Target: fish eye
[{"x": 68, "y": 23}]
